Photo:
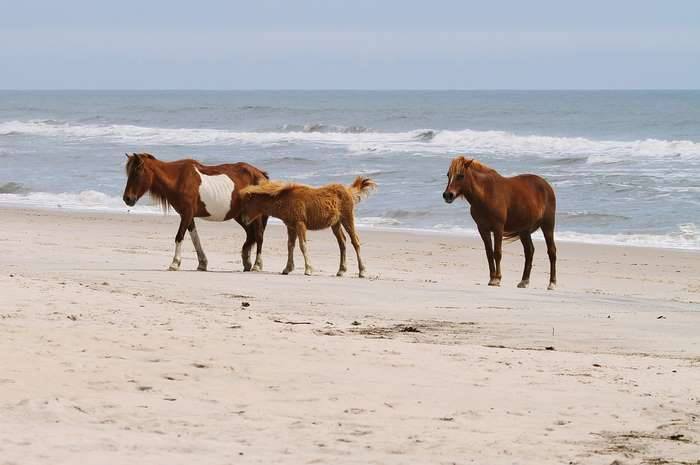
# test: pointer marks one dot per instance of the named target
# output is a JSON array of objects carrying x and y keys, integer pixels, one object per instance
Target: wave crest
[
  {"x": 13, "y": 188},
  {"x": 360, "y": 139}
]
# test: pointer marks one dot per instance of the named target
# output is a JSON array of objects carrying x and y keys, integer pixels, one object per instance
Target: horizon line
[{"x": 340, "y": 89}]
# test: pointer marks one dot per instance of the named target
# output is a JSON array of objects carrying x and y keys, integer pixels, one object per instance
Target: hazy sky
[{"x": 358, "y": 44}]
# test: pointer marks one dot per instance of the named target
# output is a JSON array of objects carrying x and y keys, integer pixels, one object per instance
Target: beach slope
[{"x": 108, "y": 358}]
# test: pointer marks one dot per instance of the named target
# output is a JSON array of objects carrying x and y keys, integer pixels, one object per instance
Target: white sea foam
[
  {"x": 419, "y": 141},
  {"x": 83, "y": 201},
  {"x": 687, "y": 237},
  {"x": 372, "y": 221}
]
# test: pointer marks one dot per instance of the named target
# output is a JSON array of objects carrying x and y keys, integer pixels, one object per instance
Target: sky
[{"x": 358, "y": 44}]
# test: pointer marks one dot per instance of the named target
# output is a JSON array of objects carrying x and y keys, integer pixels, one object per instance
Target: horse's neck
[
  {"x": 477, "y": 187},
  {"x": 165, "y": 178}
]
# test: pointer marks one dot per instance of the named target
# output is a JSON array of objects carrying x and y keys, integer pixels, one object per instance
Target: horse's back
[
  {"x": 532, "y": 197},
  {"x": 242, "y": 174},
  {"x": 529, "y": 184}
]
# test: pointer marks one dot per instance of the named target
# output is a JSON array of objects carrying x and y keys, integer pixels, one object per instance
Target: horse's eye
[{"x": 460, "y": 176}]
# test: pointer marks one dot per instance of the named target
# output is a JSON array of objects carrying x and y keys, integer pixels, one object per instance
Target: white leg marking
[
  {"x": 177, "y": 259},
  {"x": 258, "y": 262}
]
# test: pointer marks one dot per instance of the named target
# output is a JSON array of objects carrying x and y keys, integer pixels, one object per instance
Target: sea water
[{"x": 625, "y": 164}]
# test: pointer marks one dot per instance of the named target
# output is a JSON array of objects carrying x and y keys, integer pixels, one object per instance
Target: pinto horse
[
  {"x": 507, "y": 207},
  {"x": 197, "y": 191},
  {"x": 304, "y": 207}
]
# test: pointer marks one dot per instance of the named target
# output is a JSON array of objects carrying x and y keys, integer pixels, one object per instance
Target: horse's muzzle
[
  {"x": 130, "y": 201},
  {"x": 448, "y": 196}
]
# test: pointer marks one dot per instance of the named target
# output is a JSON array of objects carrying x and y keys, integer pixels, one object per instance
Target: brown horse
[
  {"x": 197, "y": 191},
  {"x": 507, "y": 207},
  {"x": 303, "y": 207}
]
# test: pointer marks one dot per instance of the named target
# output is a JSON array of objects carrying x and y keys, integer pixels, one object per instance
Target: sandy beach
[{"x": 109, "y": 359}]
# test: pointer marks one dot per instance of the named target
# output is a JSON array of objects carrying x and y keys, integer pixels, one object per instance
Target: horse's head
[
  {"x": 139, "y": 177},
  {"x": 457, "y": 179}
]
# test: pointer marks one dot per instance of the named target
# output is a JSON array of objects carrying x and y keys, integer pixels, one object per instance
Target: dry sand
[{"x": 109, "y": 359}]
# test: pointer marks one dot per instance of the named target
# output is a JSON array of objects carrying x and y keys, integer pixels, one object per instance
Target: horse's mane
[
  {"x": 481, "y": 167},
  {"x": 462, "y": 163},
  {"x": 270, "y": 188},
  {"x": 158, "y": 198},
  {"x": 133, "y": 160}
]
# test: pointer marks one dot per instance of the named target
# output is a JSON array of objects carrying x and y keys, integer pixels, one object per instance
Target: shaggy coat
[
  {"x": 509, "y": 207},
  {"x": 195, "y": 190},
  {"x": 303, "y": 207}
]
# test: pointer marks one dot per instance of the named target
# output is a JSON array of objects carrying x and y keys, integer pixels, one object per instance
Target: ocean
[{"x": 625, "y": 164}]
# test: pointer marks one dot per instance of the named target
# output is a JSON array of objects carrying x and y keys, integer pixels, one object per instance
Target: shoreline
[{"x": 563, "y": 236}]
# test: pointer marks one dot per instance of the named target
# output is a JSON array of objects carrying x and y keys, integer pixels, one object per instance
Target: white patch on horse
[{"x": 215, "y": 193}]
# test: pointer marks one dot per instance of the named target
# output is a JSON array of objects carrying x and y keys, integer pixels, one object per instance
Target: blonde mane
[
  {"x": 460, "y": 164},
  {"x": 270, "y": 188}
]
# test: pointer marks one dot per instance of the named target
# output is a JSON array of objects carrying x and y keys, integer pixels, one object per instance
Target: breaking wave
[
  {"x": 83, "y": 201},
  {"x": 13, "y": 188},
  {"x": 324, "y": 128},
  {"x": 360, "y": 139},
  {"x": 686, "y": 237}
]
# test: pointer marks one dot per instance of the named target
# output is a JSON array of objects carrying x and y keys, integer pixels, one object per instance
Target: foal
[
  {"x": 507, "y": 207},
  {"x": 303, "y": 207},
  {"x": 197, "y": 191}
]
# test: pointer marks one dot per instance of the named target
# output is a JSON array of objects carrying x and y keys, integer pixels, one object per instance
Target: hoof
[
  {"x": 257, "y": 268},
  {"x": 552, "y": 286},
  {"x": 308, "y": 272},
  {"x": 287, "y": 270},
  {"x": 202, "y": 267},
  {"x": 495, "y": 282},
  {"x": 362, "y": 274},
  {"x": 523, "y": 284},
  {"x": 340, "y": 273},
  {"x": 174, "y": 266}
]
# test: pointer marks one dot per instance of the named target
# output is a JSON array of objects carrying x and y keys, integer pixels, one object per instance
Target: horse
[
  {"x": 509, "y": 207},
  {"x": 194, "y": 191},
  {"x": 303, "y": 207}
]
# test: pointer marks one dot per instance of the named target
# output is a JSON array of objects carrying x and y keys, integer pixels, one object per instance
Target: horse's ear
[
  {"x": 139, "y": 160},
  {"x": 127, "y": 156},
  {"x": 467, "y": 162}
]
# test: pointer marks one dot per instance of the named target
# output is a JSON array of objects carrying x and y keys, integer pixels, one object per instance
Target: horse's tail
[
  {"x": 361, "y": 188},
  {"x": 510, "y": 236}
]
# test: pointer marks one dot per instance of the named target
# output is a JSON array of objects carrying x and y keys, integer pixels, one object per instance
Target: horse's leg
[
  {"x": 548, "y": 232},
  {"x": 529, "y": 249},
  {"x": 201, "y": 258},
  {"x": 497, "y": 245},
  {"x": 291, "y": 241},
  {"x": 349, "y": 225},
  {"x": 247, "y": 245},
  {"x": 301, "y": 232},
  {"x": 185, "y": 221},
  {"x": 340, "y": 236},
  {"x": 261, "y": 223},
  {"x": 488, "y": 246}
]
